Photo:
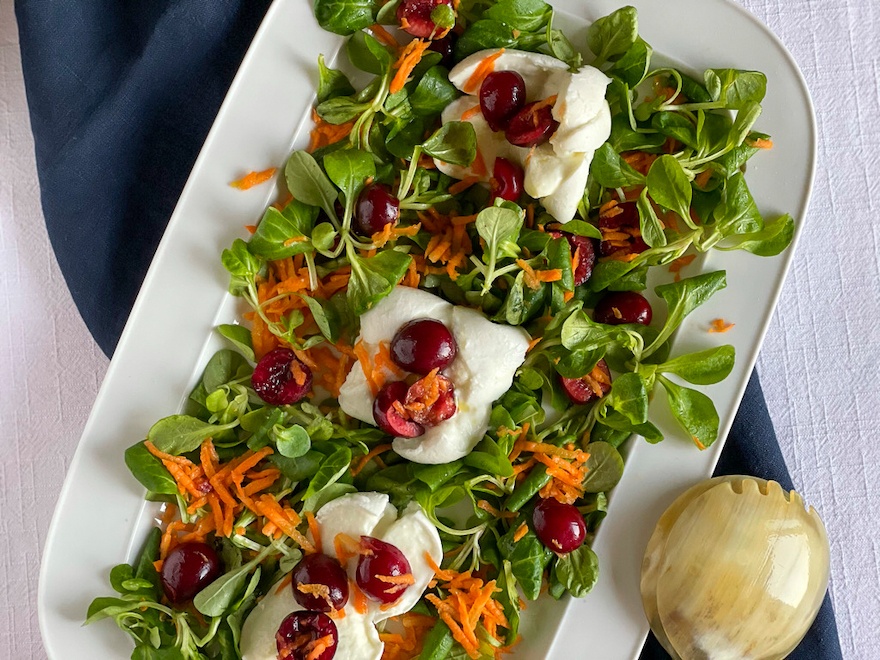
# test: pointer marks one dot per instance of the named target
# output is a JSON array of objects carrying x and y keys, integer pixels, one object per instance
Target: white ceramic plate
[{"x": 101, "y": 517}]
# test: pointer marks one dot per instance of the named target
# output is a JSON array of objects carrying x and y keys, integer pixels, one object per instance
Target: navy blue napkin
[{"x": 121, "y": 96}]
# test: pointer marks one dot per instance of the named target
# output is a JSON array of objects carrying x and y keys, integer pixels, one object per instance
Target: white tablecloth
[{"x": 819, "y": 363}]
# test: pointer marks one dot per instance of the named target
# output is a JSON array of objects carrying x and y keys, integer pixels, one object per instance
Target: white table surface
[{"x": 819, "y": 364}]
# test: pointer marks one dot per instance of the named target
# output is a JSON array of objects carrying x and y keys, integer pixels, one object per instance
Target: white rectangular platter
[{"x": 101, "y": 517}]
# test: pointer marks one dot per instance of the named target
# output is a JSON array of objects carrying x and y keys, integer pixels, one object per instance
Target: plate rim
[{"x": 177, "y": 218}]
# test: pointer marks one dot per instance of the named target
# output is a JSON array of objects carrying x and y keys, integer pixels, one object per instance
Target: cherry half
[
  {"x": 446, "y": 48},
  {"x": 376, "y": 208},
  {"x": 383, "y": 571},
  {"x": 280, "y": 378},
  {"x": 301, "y": 635},
  {"x": 531, "y": 126},
  {"x": 507, "y": 180},
  {"x": 423, "y": 345},
  {"x": 623, "y": 307},
  {"x": 431, "y": 400},
  {"x": 388, "y": 417},
  {"x": 320, "y": 583},
  {"x": 189, "y": 568},
  {"x": 584, "y": 389},
  {"x": 502, "y": 95},
  {"x": 559, "y": 526},
  {"x": 627, "y": 219},
  {"x": 414, "y": 16},
  {"x": 586, "y": 251}
]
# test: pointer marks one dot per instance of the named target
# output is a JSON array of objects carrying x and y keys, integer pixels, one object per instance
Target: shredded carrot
[
  {"x": 410, "y": 56},
  {"x": 680, "y": 263},
  {"x": 315, "y": 531},
  {"x": 467, "y": 604},
  {"x": 345, "y": 547},
  {"x": 720, "y": 325},
  {"x": 317, "y": 648},
  {"x": 384, "y": 36},
  {"x": 252, "y": 179},
  {"x": 463, "y": 185},
  {"x": 761, "y": 143},
  {"x": 362, "y": 462},
  {"x": 521, "y": 531},
  {"x": 534, "y": 342},
  {"x": 251, "y": 229},
  {"x": 470, "y": 112},
  {"x": 483, "y": 69},
  {"x": 360, "y": 599},
  {"x": 269, "y": 508},
  {"x": 324, "y": 133}
]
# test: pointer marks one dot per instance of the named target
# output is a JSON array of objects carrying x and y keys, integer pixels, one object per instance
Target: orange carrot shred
[
  {"x": 720, "y": 325},
  {"x": 410, "y": 56},
  {"x": 483, "y": 69},
  {"x": 252, "y": 179}
]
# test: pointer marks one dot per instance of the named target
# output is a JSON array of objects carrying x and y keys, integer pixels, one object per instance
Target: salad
[{"x": 415, "y": 426}]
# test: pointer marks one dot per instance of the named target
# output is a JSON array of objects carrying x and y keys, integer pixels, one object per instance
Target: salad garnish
[{"x": 415, "y": 429}]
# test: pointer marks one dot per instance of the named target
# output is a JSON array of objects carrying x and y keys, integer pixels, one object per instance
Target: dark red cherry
[
  {"x": 414, "y": 16},
  {"x": 507, "y": 180},
  {"x": 502, "y": 95},
  {"x": 320, "y": 583},
  {"x": 623, "y": 307},
  {"x": 383, "y": 572},
  {"x": 376, "y": 207},
  {"x": 302, "y": 633},
  {"x": 594, "y": 385},
  {"x": 446, "y": 48},
  {"x": 559, "y": 526},
  {"x": 280, "y": 379},
  {"x": 531, "y": 126},
  {"x": 625, "y": 222},
  {"x": 431, "y": 400},
  {"x": 189, "y": 568},
  {"x": 423, "y": 345},
  {"x": 388, "y": 418},
  {"x": 586, "y": 251}
]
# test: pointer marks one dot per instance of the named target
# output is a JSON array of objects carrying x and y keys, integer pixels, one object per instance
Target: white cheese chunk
[
  {"x": 358, "y": 637},
  {"x": 536, "y": 69},
  {"x": 356, "y": 515},
  {"x": 488, "y": 356},
  {"x": 556, "y": 172}
]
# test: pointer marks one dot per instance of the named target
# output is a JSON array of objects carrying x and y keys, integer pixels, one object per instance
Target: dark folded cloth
[{"x": 121, "y": 97}]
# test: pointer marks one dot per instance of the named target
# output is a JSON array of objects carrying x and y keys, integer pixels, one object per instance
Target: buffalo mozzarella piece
[
  {"x": 556, "y": 173},
  {"x": 358, "y": 636},
  {"x": 488, "y": 356},
  {"x": 356, "y": 515}
]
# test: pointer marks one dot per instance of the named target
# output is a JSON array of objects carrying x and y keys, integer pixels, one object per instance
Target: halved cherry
[
  {"x": 594, "y": 385},
  {"x": 423, "y": 345},
  {"x": 502, "y": 95},
  {"x": 625, "y": 222},
  {"x": 388, "y": 417},
  {"x": 559, "y": 526},
  {"x": 531, "y": 126},
  {"x": 301, "y": 635},
  {"x": 446, "y": 48},
  {"x": 320, "y": 583},
  {"x": 280, "y": 379},
  {"x": 507, "y": 180},
  {"x": 189, "y": 568},
  {"x": 623, "y": 307},
  {"x": 586, "y": 253},
  {"x": 431, "y": 400},
  {"x": 414, "y": 16},
  {"x": 383, "y": 571},
  {"x": 376, "y": 208}
]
